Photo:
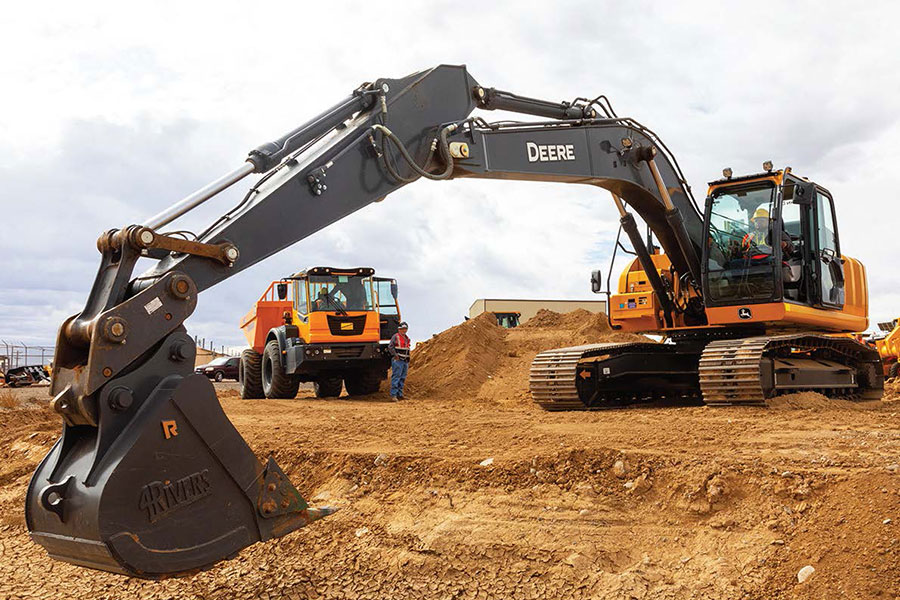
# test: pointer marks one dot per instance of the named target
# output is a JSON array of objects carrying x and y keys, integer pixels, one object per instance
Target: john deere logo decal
[{"x": 744, "y": 313}]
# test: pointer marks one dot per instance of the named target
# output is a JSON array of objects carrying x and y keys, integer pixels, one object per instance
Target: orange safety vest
[{"x": 400, "y": 346}]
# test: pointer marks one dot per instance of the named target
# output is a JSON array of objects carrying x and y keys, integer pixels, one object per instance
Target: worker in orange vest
[{"x": 399, "y": 351}]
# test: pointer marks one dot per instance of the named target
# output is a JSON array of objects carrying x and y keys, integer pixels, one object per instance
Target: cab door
[
  {"x": 828, "y": 264},
  {"x": 388, "y": 308}
]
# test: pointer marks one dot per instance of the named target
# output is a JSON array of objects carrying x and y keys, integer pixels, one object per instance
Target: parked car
[{"x": 220, "y": 368}]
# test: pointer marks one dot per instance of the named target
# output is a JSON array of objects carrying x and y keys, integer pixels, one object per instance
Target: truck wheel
[
  {"x": 894, "y": 370},
  {"x": 362, "y": 383},
  {"x": 220, "y": 376},
  {"x": 328, "y": 387},
  {"x": 275, "y": 382},
  {"x": 250, "y": 375}
]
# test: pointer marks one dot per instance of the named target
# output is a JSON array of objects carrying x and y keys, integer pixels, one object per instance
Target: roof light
[
  {"x": 727, "y": 172},
  {"x": 626, "y": 142},
  {"x": 767, "y": 165}
]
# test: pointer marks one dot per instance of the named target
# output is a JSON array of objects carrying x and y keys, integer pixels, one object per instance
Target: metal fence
[
  {"x": 13, "y": 354},
  {"x": 19, "y": 354}
]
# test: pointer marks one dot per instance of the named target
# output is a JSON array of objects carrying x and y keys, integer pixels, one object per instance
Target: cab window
[
  {"x": 300, "y": 296},
  {"x": 740, "y": 255},
  {"x": 387, "y": 304},
  {"x": 337, "y": 293}
]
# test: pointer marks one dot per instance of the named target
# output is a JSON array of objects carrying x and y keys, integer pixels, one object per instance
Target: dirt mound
[
  {"x": 543, "y": 318},
  {"x": 455, "y": 362},
  {"x": 892, "y": 391},
  {"x": 814, "y": 400},
  {"x": 478, "y": 360}
]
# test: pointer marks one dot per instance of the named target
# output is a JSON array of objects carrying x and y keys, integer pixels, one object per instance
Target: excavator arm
[{"x": 149, "y": 478}]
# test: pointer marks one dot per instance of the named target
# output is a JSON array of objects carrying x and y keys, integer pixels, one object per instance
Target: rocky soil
[{"x": 467, "y": 490}]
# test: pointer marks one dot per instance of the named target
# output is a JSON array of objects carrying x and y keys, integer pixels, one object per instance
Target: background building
[{"x": 529, "y": 308}]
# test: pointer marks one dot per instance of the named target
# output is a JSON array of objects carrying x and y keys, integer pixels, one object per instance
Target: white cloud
[{"x": 114, "y": 110}]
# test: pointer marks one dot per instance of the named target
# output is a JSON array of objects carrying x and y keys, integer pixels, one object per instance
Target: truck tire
[
  {"x": 363, "y": 382},
  {"x": 275, "y": 382},
  {"x": 894, "y": 370},
  {"x": 220, "y": 376},
  {"x": 328, "y": 387},
  {"x": 250, "y": 375}
]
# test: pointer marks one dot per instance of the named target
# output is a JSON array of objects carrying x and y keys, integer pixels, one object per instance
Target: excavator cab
[{"x": 771, "y": 240}]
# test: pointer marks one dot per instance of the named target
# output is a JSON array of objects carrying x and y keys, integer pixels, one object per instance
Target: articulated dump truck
[{"x": 324, "y": 325}]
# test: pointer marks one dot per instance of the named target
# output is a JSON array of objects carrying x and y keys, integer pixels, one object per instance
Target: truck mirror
[
  {"x": 281, "y": 288},
  {"x": 596, "y": 282}
]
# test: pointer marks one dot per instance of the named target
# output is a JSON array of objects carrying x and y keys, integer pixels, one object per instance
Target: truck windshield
[
  {"x": 340, "y": 293},
  {"x": 740, "y": 255}
]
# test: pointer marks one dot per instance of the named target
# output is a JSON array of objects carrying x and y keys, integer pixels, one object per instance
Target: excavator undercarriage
[{"x": 749, "y": 370}]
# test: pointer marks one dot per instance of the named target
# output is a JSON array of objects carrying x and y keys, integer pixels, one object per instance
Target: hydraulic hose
[{"x": 440, "y": 142}]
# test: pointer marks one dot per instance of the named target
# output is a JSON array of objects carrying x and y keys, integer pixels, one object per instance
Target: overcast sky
[{"x": 113, "y": 111}]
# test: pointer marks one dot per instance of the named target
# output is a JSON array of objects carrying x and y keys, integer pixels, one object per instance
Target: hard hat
[
  {"x": 761, "y": 212},
  {"x": 402, "y": 325}
]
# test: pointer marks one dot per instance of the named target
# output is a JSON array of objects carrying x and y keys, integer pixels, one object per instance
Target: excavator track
[
  {"x": 603, "y": 376},
  {"x": 730, "y": 371},
  {"x": 753, "y": 370},
  {"x": 553, "y": 376}
]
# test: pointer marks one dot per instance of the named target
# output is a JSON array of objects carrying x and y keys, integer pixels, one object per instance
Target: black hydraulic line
[
  {"x": 440, "y": 143},
  {"x": 643, "y": 255},
  {"x": 494, "y": 99},
  {"x": 268, "y": 155}
]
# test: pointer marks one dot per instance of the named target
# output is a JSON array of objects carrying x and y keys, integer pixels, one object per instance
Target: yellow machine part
[{"x": 635, "y": 308}]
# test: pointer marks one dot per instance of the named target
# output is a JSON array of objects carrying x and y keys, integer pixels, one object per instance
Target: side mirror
[
  {"x": 394, "y": 290},
  {"x": 281, "y": 289},
  {"x": 596, "y": 282},
  {"x": 802, "y": 194}
]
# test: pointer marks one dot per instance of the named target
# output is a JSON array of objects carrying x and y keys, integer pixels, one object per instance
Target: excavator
[
  {"x": 755, "y": 301},
  {"x": 149, "y": 477}
]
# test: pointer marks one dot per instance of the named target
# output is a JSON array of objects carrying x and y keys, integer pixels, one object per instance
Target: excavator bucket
[{"x": 166, "y": 489}]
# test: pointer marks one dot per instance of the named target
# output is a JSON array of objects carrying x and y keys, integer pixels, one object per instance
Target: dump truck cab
[
  {"x": 324, "y": 325},
  {"x": 508, "y": 320}
]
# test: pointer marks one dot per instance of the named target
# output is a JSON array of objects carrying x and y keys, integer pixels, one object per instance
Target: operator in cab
[
  {"x": 399, "y": 351},
  {"x": 757, "y": 243},
  {"x": 757, "y": 239}
]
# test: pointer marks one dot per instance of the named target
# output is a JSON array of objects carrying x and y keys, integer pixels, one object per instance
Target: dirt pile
[
  {"x": 892, "y": 390},
  {"x": 816, "y": 401},
  {"x": 479, "y": 361},
  {"x": 545, "y": 318},
  {"x": 456, "y": 362}
]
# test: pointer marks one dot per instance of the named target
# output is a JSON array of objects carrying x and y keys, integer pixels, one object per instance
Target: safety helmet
[
  {"x": 761, "y": 212},
  {"x": 402, "y": 325}
]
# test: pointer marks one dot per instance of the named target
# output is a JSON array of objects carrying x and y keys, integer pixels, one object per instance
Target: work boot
[{"x": 394, "y": 398}]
